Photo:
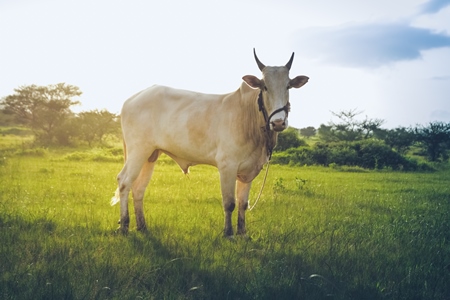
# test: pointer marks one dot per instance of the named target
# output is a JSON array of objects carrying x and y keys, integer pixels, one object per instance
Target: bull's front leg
[
  {"x": 124, "y": 215},
  {"x": 242, "y": 191},
  {"x": 228, "y": 205},
  {"x": 228, "y": 185}
]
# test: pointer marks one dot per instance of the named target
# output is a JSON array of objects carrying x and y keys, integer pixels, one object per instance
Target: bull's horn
[
  {"x": 289, "y": 64},
  {"x": 261, "y": 66}
]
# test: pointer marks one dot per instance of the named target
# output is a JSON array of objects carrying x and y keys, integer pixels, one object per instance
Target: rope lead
[{"x": 262, "y": 187}]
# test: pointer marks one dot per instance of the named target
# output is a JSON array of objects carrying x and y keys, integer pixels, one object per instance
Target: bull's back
[{"x": 181, "y": 122}]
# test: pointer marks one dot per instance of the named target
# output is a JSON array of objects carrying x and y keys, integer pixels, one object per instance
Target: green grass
[{"x": 316, "y": 233}]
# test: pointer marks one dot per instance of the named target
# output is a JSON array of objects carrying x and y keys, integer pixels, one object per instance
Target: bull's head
[{"x": 274, "y": 86}]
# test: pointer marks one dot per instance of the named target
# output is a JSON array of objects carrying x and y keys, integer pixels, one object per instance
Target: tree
[
  {"x": 6, "y": 119},
  {"x": 308, "y": 131},
  {"x": 435, "y": 139},
  {"x": 400, "y": 139},
  {"x": 289, "y": 139},
  {"x": 326, "y": 133},
  {"x": 66, "y": 132},
  {"x": 369, "y": 126},
  {"x": 94, "y": 125},
  {"x": 349, "y": 128},
  {"x": 42, "y": 108}
]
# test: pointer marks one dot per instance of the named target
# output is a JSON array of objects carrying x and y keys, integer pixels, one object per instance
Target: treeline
[
  {"x": 363, "y": 143},
  {"x": 47, "y": 112}
]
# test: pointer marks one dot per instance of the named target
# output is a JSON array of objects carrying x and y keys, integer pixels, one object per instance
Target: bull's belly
[
  {"x": 246, "y": 172},
  {"x": 185, "y": 161}
]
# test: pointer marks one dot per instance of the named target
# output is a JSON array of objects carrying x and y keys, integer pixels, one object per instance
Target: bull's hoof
[
  {"x": 142, "y": 229},
  {"x": 227, "y": 232},
  {"x": 122, "y": 230},
  {"x": 241, "y": 232},
  {"x": 231, "y": 238},
  {"x": 244, "y": 236}
]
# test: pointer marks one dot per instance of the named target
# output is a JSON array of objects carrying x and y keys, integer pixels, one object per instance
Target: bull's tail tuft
[{"x": 116, "y": 198}]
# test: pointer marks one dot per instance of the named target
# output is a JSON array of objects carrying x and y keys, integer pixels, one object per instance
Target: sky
[{"x": 388, "y": 59}]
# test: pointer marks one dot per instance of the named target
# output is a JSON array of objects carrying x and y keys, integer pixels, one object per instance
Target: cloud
[
  {"x": 368, "y": 45},
  {"x": 434, "y": 6},
  {"x": 440, "y": 78}
]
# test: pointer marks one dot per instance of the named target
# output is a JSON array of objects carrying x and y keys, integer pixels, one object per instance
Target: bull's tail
[{"x": 116, "y": 198}]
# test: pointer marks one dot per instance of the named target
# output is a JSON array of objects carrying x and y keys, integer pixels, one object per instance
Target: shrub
[
  {"x": 16, "y": 131},
  {"x": 115, "y": 151},
  {"x": 344, "y": 156},
  {"x": 96, "y": 154},
  {"x": 38, "y": 152},
  {"x": 76, "y": 156},
  {"x": 281, "y": 158},
  {"x": 369, "y": 154},
  {"x": 375, "y": 154},
  {"x": 289, "y": 139}
]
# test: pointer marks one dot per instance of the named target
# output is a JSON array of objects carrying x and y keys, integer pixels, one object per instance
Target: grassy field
[{"x": 316, "y": 233}]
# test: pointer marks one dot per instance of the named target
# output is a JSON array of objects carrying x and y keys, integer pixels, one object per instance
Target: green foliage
[
  {"x": 369, "y": 154},
  {"x": 354, "y": 169},
  {"x": 43, "y": 108},
  {"x": 308, "y": 132},
  {"x": 7, "y": 119},
  {"x": 96, "y": 154},
  {"x": 349, "y": 128},
  {"x": 19, "y": 131},
  {"x": 289, "y": 138},
  {"x": 435, "y": 139},
  {"x": 46, "y": 111},
  {"x": 400, "y": 139},
  {"x": 37, "y": 152},
  {"x": 327, "y": 235},
  {"x": 94, "y": 125}
]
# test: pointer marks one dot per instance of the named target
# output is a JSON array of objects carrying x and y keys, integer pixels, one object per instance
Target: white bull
[{"x": 235, "y": 132}]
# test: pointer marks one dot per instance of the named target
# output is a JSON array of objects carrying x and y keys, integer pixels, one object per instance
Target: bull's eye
[{"x": 265, "y": 88}]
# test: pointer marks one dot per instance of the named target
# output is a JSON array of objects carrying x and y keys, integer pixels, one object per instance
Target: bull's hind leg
[
  {"x": 138, "y": 189},
  {"x": 125, "y": 179},
  {"x": 242, "y": 191},
  {"x": 228, "y": 185}
]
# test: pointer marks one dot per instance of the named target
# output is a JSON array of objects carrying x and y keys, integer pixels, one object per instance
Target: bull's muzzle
[{"x": 278, "y": 125}]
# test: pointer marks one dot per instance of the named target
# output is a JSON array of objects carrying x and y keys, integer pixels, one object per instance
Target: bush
[
  {"x": 39, "y": 152},
  {"x": 76, "y": 156},
  {"x": 16, "y": 131},
  {"x": 295, "y": 156},
  {"x": 115, "y": 151},
  {"x": 281, "y": 158},
  {"x": 289, "y": 139},
  {"x": 352, "y": 169},
  {"x": 96, "y": 154},
  {"x": 369, "y": 154},
  {"x": 375, "y": 154},
  {"x": 344, "y": 155}
]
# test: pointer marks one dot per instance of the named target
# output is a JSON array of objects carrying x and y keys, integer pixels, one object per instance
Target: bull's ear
[
  {"x": 298, "y": 81},
  {"x": 253, "y": 81}
]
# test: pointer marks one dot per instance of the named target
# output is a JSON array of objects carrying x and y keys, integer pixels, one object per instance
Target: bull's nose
[{"x": 278, "y": 125}]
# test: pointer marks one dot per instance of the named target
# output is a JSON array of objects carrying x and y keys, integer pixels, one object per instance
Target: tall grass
[{"x": 316, "y": 233}]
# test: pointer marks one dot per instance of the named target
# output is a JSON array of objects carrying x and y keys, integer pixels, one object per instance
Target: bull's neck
[{"x": 270, "y": 136}]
